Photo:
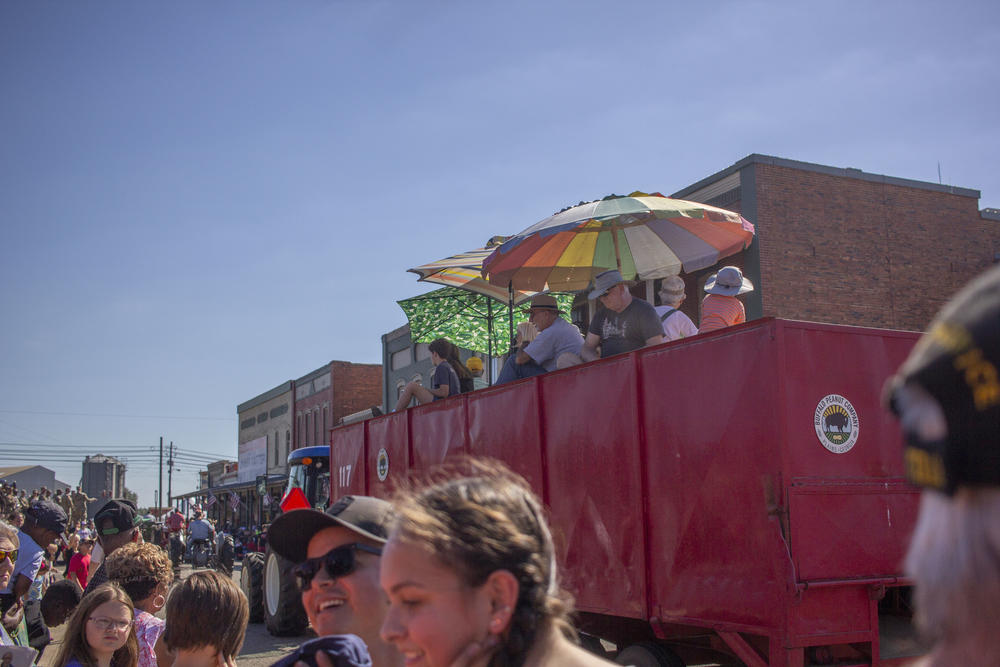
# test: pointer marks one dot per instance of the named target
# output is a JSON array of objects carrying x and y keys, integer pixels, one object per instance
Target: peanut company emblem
[
  {"x": 836, "y": 423},
  {"x": 382, "y": 464}
]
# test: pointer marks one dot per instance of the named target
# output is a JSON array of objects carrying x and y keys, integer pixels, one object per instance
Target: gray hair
[
  {"x": 10, "y": 532},
  {"x": 954, "y": 559}
]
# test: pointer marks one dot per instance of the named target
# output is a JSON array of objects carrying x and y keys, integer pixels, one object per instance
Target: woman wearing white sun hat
[{"x": 721, "y": 308}]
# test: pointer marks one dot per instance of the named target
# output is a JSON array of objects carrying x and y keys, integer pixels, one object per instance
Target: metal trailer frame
[{"x": 691, "y": 494}]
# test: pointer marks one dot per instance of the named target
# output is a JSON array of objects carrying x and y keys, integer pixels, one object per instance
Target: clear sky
[{"x": 202, "y": 200}]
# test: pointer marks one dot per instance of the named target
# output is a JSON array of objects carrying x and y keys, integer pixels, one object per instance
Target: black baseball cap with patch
[
  {"x": 956, "y": 364},
  {"x": 290, "y": 533},
  {"x": 122, "y": 514}
]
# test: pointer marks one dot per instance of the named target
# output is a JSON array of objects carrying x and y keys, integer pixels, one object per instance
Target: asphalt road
[{"x": 259, "y": 648}]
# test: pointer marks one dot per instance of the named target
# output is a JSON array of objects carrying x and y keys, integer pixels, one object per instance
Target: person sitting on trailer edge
[
  {"x": 444, "y": 382},
  {"x": 556, "y": 337},
  {"x": 623, "y": 323},
  {"x": 337, "y": 553}
]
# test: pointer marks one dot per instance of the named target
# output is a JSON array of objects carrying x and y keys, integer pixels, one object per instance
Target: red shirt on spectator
[{"x": 80, "y": 566}]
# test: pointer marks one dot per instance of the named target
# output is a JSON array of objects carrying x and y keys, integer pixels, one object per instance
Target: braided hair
[{"x": 485, "y": 522}]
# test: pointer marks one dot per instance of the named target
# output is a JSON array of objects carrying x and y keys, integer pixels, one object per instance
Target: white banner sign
[{"x": 253, "y": 459}]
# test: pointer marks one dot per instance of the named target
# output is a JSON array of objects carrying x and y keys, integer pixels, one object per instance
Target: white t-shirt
[{"x": 677, "y": 325}]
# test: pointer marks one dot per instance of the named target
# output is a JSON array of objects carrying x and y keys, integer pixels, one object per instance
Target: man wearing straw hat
[
  {"x": 556, "y": 337},
  {"x": 623, "y": 323}
]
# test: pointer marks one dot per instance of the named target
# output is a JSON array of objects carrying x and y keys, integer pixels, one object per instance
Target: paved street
[{"x": 259, "y": 650}]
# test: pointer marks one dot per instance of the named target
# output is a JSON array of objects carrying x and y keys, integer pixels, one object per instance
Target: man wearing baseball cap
[
  {"x": 555, "y": 338},
  {"x": 337, "y": 555},
  {"x": 947, "y": 397},
  {"x": 116, "y": 526},
  {"x": 44, "y": 523}
]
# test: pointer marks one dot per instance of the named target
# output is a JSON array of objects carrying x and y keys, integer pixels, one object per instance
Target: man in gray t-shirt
[
  {"x": 623, "y": 323},
  {"x": 555, "y": 337}
]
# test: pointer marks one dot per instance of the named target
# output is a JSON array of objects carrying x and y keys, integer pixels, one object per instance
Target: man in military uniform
[
  {"x": 80, "y": 500},
  {"x": 64, "y": 502}
]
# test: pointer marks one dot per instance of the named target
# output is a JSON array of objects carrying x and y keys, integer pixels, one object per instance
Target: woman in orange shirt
[{"x": 721, "y": 308}]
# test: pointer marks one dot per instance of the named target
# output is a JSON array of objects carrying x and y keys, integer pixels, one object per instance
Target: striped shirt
[{"x": 719, "y": 312}]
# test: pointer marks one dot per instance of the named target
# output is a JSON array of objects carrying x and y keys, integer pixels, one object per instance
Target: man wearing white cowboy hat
[
  {"x": 555, "y": 338},
  {"x": 676, "y": 325},
  {"x": 623, "y": 323},
  {"x": 721, "y": 308}
]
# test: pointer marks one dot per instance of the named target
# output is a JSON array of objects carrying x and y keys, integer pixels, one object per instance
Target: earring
[{"x": 161, "y": 602}]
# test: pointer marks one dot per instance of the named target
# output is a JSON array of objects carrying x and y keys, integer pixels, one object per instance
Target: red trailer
[{"x": 735, "y": 498}]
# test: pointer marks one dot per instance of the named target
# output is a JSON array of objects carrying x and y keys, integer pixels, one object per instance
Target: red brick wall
[
  {"x": 355, "y": 387},
  {"x": 850, "y": 251}
]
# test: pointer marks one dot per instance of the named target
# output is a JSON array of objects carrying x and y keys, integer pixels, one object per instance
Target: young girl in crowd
[
  {"x": 143, "y": 570},
  {"x": 207, "y": 618},
  {"x": 101, "y": 632},
  {"x": 470, "y": 573}
]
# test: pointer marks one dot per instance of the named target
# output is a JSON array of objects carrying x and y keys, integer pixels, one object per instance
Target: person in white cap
[
  {"x": 721, "y": 308},
  {"x": 676, "y": 325},
  {"x": 623, "y": 323}
]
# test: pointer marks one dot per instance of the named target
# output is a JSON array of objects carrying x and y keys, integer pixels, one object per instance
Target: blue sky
[{"x": 202, "y": 200}]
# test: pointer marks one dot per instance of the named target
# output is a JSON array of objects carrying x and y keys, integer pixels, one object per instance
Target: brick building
[
  {"x": 845, "y": 246},
  {"x": 329, "y": 393}
]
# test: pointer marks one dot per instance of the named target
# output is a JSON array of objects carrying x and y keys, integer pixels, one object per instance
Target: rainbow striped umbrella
[
  {"x": 643, "y": 236},
  {"x": 465, "y": 271}
]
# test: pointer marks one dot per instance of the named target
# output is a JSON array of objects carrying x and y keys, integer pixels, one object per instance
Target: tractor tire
[
  {"x": 648, "y": 654},
  {"x": 252, "y": 584},
  {"x": 226, "y": 556},
  {"x": 283, "y": 612}
]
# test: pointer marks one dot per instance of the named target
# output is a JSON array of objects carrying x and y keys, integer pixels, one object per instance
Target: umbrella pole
[
  {"x": 618, "y": 256},
  {"x": 489, "y": 338},
  {"x": 510, "y": 312}
]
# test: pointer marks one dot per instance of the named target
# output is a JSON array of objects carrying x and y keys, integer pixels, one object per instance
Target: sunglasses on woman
[
  {"x": 12, "y": 555},
  {"x": 338, "y": 562}
]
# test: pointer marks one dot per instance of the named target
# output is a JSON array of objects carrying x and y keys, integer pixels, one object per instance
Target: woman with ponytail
[
  {"x": 470, "y": 573},
  {"x": 143, "y": 570}
]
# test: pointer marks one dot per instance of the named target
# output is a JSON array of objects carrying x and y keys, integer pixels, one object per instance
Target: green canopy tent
[{"x": 470, "y": 320}]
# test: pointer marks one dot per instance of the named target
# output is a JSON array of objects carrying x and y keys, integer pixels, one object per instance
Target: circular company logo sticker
[
  {"x": 382, "y": 464},
  {"x": 836, "y": 423}
]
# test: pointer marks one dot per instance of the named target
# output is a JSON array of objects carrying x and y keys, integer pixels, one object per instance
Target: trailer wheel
[
  {"x": 252, "y": 584},
  {"x": 283, "y": 612},
  {"x": 648, "y": 654}
]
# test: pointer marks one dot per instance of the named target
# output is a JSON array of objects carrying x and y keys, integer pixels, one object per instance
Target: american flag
[
  {"x": 266, "y": 500},
  {"x": 234, "y": 499},
  {"x": 211, "y": 499}
]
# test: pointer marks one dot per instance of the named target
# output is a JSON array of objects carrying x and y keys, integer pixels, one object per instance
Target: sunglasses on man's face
[
  {"x": 338, "y": 562},
  {"x": 12, "y": 555}
]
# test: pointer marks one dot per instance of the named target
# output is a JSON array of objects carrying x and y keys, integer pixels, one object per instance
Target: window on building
[
  {"x": 316, "y": 439},
  {"x": 305, "y": 435},
  {"x": 324, "y": 426},
  {"x": 400, "y": 359},
  {"x": 288, "y": 444},
  {"x": 423, "y": 351},
  {"x": 277, "y": 447}
]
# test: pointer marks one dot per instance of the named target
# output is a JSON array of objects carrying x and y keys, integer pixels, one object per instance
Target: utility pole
[
  {"x": 170, "y": 476},
  {"x": 158, "y": 502}
]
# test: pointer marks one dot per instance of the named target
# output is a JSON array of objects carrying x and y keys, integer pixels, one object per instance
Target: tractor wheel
[
  {"x": 252, "y": 583},
  {"x": 226, "y": 556},
  {"x": 283, "y": 612},
  {"x": 648, "y": 654}
]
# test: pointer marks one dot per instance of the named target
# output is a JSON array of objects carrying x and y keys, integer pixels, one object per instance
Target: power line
[{"x": 99, "y": 414}]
